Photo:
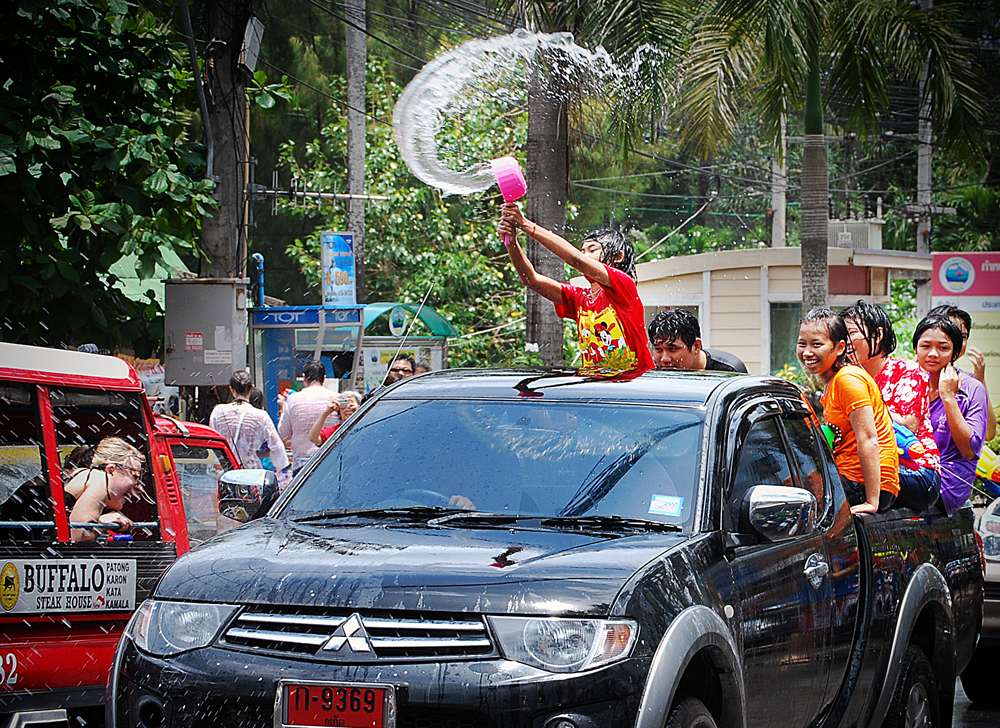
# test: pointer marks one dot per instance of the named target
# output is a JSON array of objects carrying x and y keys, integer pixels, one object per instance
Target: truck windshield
[{"x": 528, "y": 458}]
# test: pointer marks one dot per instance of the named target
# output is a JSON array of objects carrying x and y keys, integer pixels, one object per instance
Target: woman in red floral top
[{"x": 906, "y": 391}]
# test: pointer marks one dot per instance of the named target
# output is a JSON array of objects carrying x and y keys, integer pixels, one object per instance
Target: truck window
[
  {"x": 806, "y": 455},
  {"x": 199, "y": 468},
  {"x": 762, "y": 461},
  {"x": 25, "y": 498},
  {"x": 85, "y": 417}
]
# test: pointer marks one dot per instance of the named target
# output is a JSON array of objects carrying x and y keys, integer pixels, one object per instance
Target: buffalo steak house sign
[{"x": 67, "y": 585}]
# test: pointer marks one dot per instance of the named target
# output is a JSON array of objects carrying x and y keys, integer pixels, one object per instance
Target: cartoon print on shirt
[
  {"x": 602, "y": 340},
  {"x": 838, "y": 435}
]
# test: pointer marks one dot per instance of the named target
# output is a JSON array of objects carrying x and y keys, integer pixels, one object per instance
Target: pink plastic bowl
[{"x": 509, "y": 177}]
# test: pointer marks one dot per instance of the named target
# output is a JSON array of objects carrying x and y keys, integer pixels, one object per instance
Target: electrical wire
[
  {"x": 667, "y": 197},
  {"x": 324, "y": 93},
  {"x": 364, "y": 30}
]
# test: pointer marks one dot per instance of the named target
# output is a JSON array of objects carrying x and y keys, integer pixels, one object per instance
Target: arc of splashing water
[{"x": 419, "y": 113}]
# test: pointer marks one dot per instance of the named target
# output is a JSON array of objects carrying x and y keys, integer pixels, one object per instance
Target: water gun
[
  {"x": 907, "y": 445},
  {"x": 988, "y": 467}
]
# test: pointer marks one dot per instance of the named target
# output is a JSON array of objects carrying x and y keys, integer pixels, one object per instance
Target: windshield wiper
[
  {"x": 610, "y": 523},
  {"x": 417, "y": 512},
  {"x": 477, "y": 517}
]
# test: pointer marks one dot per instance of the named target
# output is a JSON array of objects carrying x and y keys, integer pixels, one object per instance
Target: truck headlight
[
  {"x": 168, "y": 628},
  {"x": 564, "y": 645}
]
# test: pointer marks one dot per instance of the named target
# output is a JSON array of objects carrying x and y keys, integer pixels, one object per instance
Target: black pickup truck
[{"x": 550, "y": 549}]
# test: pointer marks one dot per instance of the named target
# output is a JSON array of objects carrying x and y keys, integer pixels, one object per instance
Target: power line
[
  {"x": 354, "y": 25},
  {"x": 324, "y": 93},
  {"x": 667, "y": 197}
]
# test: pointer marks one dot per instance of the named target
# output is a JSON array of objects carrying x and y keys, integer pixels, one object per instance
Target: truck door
[
  {"x": 783, "y": 617},
  {"x": 199, "y": 464}
]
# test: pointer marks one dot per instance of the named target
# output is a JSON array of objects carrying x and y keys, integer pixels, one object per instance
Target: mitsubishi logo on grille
[{"x": 350, "y": 638}]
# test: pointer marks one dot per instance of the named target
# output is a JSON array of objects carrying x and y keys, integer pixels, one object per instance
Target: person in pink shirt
[{"x": 301, "y": 410}]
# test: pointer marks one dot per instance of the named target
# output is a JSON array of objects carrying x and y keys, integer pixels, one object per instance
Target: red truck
[{"x": 63, "y": 605}]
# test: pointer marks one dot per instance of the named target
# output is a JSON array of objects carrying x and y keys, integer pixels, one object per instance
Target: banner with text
[
  {"x": 32, "y": 586},
  {"x": 971, "y": 281},
  {"x": 337, "y": 260}
]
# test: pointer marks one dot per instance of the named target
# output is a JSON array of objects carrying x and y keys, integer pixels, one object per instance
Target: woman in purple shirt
[{"x": 958, "y": 408}]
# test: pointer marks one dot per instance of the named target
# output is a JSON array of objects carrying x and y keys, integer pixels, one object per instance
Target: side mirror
[
  {"x": 247, "y": 494},
  {"x": 778, "y": 512}
]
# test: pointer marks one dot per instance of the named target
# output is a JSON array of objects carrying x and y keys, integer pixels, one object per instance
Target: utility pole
[
  {"x": 223, "y": 235},
  {"x": 925, "y": 152},
  {"x": 357, "y": 49}
]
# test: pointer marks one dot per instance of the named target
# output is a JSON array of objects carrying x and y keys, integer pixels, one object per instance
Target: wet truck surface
[
  {"x": 550, "y": 549},
  {"x": 63, "y": 605}
]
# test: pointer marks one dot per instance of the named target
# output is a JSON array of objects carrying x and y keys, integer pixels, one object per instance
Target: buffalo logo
[{"x": 10, "y": 586}]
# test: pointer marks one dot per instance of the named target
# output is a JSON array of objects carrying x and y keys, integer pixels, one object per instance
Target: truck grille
[{"x": 357, "y": 637}]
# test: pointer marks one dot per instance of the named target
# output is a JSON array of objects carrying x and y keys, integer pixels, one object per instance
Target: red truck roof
[{"x": 40, "y": 365}]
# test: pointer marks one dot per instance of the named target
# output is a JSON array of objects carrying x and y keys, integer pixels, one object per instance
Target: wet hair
[
  {"x": 241, "y": 382},
  {"x": 116, "y": 451},
  {"x": 870, "y": 319},
  {"x": 404, "y": 357},
  {"x": 946, "y": 309},
  {"x": 612, "y": 243},
  {"x": 947, "y": 326},
  {"x": 836, "y": 329},
  {"x": 314, "y": 371},
  {"x": 674, "y": 324},
  {"x": 256, "y": 398},
  {"x": 80, "y": 457}
]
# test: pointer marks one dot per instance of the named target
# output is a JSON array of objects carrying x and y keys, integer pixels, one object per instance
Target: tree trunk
[
  {"x": 815, "y": 222},
  {"x": 223, "y": 235},
  {"x": 547, "y": 176},
  {"x": 815, "y": 191}
]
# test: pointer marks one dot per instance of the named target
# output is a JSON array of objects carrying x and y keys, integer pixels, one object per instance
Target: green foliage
[
  {"x": 902, "y": 310},
  {"x": 94, "y": 165},
  {"x": 265, "y": 94},
  {"x": 418, "y": 240}
]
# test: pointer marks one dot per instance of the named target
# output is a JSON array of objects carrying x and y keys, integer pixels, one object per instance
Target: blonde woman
[{"x": 115, "y": 474}]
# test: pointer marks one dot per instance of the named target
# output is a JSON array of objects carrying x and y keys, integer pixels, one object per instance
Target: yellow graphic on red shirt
[{"x": 602, "y": 340}]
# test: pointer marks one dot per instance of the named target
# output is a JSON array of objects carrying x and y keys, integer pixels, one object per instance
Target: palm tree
[
  {"x": 770, "y": 51},
  {"x": 621, "y": 26}
]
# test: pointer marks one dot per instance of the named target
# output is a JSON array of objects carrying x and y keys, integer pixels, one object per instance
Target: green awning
[{"x": 435, "y": 322}]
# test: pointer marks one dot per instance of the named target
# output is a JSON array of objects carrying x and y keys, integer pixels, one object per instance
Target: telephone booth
[{"x": 284, "y": 338}]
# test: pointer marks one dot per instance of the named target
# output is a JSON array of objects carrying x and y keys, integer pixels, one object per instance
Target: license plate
[{"x": 314, "y": 704}]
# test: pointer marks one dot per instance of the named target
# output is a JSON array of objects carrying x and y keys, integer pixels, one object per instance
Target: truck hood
[{"x": 412, "y": 566}]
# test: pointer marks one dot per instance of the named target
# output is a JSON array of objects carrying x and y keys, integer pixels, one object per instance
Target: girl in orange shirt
[{"x": 864, "y": 445}]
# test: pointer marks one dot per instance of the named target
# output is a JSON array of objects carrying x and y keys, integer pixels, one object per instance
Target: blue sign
[
  {"x": 304, "y": 316},
  {"x": 279, "y": 317},
  {"x": 337, "y": 259}
]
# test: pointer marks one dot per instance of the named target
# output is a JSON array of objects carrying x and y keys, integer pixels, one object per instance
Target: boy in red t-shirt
[{"x": 609, "y": 316}]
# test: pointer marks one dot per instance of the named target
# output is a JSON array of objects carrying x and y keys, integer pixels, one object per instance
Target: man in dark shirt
[{"x": 676, "y": 339}]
